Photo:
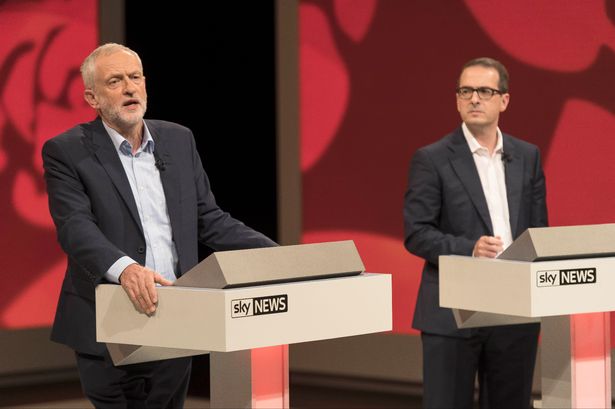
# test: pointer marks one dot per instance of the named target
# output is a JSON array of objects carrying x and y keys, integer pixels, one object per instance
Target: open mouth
[{"x": 131, "y": 103}]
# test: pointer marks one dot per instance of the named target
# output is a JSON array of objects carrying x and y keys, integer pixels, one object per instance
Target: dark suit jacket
[
  {"x": 97, "y": 220},
  {"x": 445, "y": 212}
]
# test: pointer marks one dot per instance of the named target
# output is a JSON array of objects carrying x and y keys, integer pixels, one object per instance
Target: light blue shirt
[{"x": 146, "y": 186}]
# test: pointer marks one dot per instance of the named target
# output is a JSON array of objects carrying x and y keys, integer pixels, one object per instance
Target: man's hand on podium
[
  {"x": 140, "y": 284},
  {"x": 488, "y": 246}
]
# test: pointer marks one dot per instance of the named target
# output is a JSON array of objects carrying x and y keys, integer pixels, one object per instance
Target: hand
[
  {"x": 488, "y": 246},
  {"x": 140, "y": 284}
]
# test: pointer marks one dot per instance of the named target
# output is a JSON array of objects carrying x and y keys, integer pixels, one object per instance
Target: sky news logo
[
  {"x": 551, "y": 278},
  {"x": 248, "y": 307}
]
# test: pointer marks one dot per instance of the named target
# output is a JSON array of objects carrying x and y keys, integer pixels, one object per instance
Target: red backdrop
[
  {"x": 41, "y": 94},
  {"x": 377, "y": 81}
]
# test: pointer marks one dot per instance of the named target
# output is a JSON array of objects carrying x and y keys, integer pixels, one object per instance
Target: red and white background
[
  {"x": 41, "y": 94},
  {"x": 377, "y": 81}
]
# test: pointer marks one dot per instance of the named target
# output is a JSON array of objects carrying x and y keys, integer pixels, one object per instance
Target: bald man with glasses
[{"x": 471, "y": 193}]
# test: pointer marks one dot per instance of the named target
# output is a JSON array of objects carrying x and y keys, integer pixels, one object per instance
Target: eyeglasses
[{"x": 484, "y": 93}]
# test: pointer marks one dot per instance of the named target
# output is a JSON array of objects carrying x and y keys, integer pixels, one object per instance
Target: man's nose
[
  {"x": 129, "y": 87},
  {"x": 475, "y": 99}
]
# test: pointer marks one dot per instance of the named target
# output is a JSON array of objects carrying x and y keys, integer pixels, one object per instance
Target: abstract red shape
[
  {"x": 53, "y": 119},
  {"x": 355, "y": 17},
  {"x": 383, "y": 254},
  {"x": 556, "y": 35},
  {"x": 3, "y": 156},
  {"x": 41, "y": 95},
  {"x": 61, "y": 86},
  {"x": 31, "y": 308},
  {"x": 578, "y": 168},
  {"x": 324, "y": 85},
  {"x": 26, "y": 191},
  {"x": 18, "y": 97},
  {"x": 60, "y": 64}
]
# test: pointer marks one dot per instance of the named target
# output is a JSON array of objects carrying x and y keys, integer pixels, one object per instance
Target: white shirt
[
  {"x": 491, "y": 172},
  {"x": 146, "y": 186}
]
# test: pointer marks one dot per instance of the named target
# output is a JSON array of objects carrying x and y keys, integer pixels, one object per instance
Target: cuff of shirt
[{"x": 113, "y": 274}]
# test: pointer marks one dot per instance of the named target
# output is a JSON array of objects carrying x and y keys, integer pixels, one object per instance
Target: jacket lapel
[
  {"x": 465, "y": 168},
  {"x": 104, "y": 150},
  {"x": 513, "y": 171}
]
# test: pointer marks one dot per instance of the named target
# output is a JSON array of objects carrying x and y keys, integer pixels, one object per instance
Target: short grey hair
[{"x": 87, "y": 68}]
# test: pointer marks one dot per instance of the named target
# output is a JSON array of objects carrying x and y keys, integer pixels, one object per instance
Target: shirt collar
[
  {"x": 123, "y": 146},
  {"x": 475, "y": 146}
]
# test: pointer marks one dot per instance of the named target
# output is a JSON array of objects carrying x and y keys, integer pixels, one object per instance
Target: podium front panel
[
  {"x": 538, "y": 289},
  {"x": 252, "y": 317}
]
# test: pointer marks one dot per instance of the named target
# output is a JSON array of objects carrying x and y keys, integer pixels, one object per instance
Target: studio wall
[
  {"x": 377, "y": 81},
  {"x": 41, "y": 94},
  {"x": 228, "y": 101}
]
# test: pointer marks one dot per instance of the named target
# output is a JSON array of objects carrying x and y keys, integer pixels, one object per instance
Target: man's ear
[
  {"x": 90, "y": 98},
  {"x": 505, "y": 100}
]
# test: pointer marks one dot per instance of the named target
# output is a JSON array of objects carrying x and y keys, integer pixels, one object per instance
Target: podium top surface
[
  {"x": 561, "y": 243},
  {"x": 242, "y": 268}
]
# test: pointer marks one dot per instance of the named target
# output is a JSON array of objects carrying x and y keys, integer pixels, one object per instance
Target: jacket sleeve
[
  {"x": 423, "y": 203},
  {"x": 71, "y": 210}
]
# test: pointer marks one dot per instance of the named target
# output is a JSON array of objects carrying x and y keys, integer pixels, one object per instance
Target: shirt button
[{"x": 141, "y": 250}]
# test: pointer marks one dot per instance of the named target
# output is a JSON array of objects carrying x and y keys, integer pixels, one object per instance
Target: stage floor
[{"x": 68, "y": 395}]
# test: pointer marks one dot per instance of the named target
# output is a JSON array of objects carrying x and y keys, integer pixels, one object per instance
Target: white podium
[
  {"x": 312, "y": 292},
  {"x": 564, "y": 275}
]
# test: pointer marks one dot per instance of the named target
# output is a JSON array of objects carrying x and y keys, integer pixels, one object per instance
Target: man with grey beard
[{"x": 130, "y": 201}]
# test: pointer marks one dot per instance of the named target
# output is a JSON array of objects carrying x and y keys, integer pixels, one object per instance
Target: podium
[
  {"x": 244, "y": 307},
  {"x": 564, "y": 276}
]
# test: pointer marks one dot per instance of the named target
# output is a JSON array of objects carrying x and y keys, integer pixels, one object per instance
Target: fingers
[
  {"x": 149, "y": 290},
  {"x": 138, "y": 282},
  {"x": 158, "y": 279},
  {"x": 488, "y": 246}
]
